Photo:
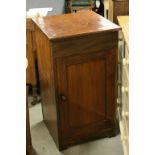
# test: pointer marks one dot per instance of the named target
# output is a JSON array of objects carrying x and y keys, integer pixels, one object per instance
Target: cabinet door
[{"x": 86, "y": 86}]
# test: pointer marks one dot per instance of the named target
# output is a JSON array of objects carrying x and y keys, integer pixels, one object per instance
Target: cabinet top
[{"x": 74, "y": 24}]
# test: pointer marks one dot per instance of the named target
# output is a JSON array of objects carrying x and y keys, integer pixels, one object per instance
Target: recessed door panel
[{"x": 86, "y": 92}]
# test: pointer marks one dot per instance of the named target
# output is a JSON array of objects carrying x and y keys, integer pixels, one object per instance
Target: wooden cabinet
[
  {"x": 77, "y": 55},
  {"x": 117, "y": 8}
]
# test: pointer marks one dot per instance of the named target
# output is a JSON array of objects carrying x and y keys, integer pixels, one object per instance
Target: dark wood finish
[
  {"x": 77, "y": 61},
  {"x": 117, "y": 8}
]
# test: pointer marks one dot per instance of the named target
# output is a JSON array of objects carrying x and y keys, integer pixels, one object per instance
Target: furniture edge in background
[
  {"x": 32, "y": 59},
  {"x": 28, "y": 133},
  {"x": 123, "y": 99},
  {"x": 118, "y": 8}
]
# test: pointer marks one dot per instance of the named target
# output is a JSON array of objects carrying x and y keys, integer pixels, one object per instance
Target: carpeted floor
[{"x": 43, "y": 143}]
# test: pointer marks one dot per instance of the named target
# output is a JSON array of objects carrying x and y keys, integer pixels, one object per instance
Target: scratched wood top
[{"x": 69, "y": 25}]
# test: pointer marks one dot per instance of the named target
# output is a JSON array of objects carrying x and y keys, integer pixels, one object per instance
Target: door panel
[
  {"x": 86, "y": 92},
  {"x": 87, "y": 82}
]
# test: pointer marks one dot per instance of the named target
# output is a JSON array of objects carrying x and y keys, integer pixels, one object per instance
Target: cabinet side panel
[{"x": 46, "y": 75}]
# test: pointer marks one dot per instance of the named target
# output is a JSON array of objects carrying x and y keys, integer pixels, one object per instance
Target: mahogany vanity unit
[{"x": 77, "y": 58}]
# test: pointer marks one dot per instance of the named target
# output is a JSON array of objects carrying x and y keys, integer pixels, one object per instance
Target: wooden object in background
[
  {"x": 31, "y": 56},
  {"x": 28, "y": 133},
  {"x": 118, "y": 8},
  {"x": 77, "y": 5},
  {"x": 124, "y": 23},
  {"x": 123, "y": 109},
  {"x": 77, "y": 61},
  {"x": 106, "y": 8}
]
